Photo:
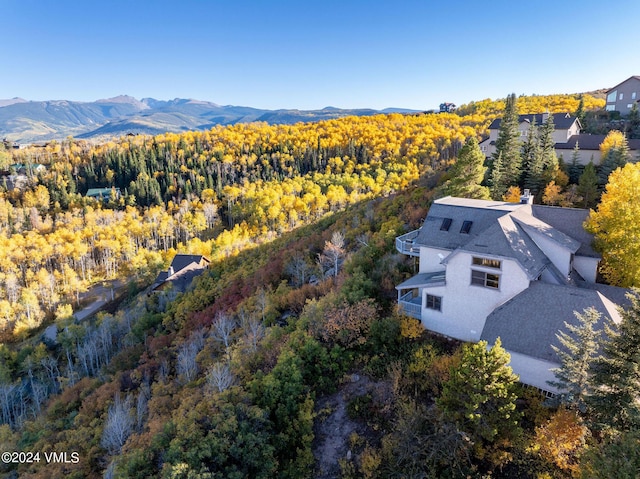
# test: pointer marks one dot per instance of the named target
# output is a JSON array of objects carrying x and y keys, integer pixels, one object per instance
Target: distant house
[
  {"x": 566, "y": 134},
  {"x": 566, "y": 125},
  {"x": 622, "y": 96},
  {"x": 447, "y": 107},
  {"x": 103, "y": 194},
  {"x": 28, "y": 169},
  {"x": 589, "y": 148},
  {"x": 517, "y": 271},
  {"x": 180, "y": 274}
]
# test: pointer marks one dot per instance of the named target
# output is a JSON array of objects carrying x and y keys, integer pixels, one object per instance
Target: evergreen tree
[
  {"x": 467, "y": 173},
  {"x": 532, "y": 161},
  {"x": 580, "y": 113},
  {"x": 616, "y": 380},
  {"x": 547, "y": 149},
  {"x": 575, "y": 168},
  {"x": 508, "y": 146},
  {"x": 588, "y": 186},
  {"x": 497, "y": 185},
  {"x": 633, "y": 127},
  {"x": 479, "y": 396},
  {"x": 578, "y": 352}
]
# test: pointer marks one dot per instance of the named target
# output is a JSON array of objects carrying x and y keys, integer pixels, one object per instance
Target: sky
[{"x": 309, "y": 54}]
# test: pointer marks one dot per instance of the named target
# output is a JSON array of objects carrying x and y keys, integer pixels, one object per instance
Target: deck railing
[
  {"x": 405, "y": 243},
  {"x": 411, "y": 306}
]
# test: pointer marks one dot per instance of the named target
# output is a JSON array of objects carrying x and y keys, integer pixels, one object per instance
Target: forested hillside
[{"x": 298, "y": 303}]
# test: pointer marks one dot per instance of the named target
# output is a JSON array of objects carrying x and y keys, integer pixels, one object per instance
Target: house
[
  {"x": 447, "y": 107},
  {"x": 622, "y": 96},
  {"x": 103, "y": 194},
  {"x": 183, "y": 269},
  {"x": 566, "y": 126},
  {"x": 589, "y": 148},
  {"x": 517, "y": 271}
]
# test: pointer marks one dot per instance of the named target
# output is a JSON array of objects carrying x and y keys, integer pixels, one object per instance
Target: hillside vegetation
[{"x": 224, "y": 381}]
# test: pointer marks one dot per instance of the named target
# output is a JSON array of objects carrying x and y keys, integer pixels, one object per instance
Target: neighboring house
[
  {"x": 103, "y": 194},
  {"x": 183, "y": 269},
  {"x": 513, "y": 270},
  {"x": 589, "y": 148},
  {"x": 28, "y": 169},
  {"x": 622, "y": 96},
  {"x": 566, "y": 126},
  {"x": 447, "y": 107}
]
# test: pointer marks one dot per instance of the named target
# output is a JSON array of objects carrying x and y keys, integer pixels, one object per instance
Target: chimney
[
  {"x": 170, "y": 271},
  {"x": 545, "y": 116},
  {"x": 526, "y": 198}
]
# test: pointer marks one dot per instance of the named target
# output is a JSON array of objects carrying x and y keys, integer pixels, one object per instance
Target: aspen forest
[{"x": 236, "y": 377}]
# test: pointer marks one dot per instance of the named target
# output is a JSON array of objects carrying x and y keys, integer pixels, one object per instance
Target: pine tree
[
  {"x": 580, "y": 113},
  {"x": 588, "y": 186},
  {"x": 578, "y": 352},
  {"x": 616, "y": 380},
  {"x": 479, "y": 396},
  {"x": 575, "y": 168},
  {"x": 508, "y": 146},
  {"x": 467, "y": 173},
  {"x": 547, "y": 149},
  {"x": 497, "y": 185}
]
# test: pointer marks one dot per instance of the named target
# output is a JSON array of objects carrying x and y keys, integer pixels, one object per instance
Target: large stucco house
[{"x": 517, "y": 271}]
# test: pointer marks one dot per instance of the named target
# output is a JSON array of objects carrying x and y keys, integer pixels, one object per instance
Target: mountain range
[{"x": 23, "y": 121}]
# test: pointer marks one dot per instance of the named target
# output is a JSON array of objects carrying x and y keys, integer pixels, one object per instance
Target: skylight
[
  {"x": 446, "y": 223},
  {"x": 466, "y": 226}
]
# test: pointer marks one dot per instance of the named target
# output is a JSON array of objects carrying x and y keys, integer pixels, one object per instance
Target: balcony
[
  {"x": 405, "y": 243},
  {"x": 411, "y": 305}
]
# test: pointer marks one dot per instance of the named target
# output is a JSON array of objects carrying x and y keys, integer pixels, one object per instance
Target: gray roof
[
  {"x": 561, "y": 121},
  {"x": 633, "y": 77},
  {"x": 482, "y": 213},
  {"x": 568, "y": 221},
  {"x": 528, "y": 322},
  {"x": 423, "y": 279},
  {"x": 587, "y": 142},
  {"x": 181, "y": 261},
  {"x": 507, "y": 239},
  {"x": 533, "y": 224}
]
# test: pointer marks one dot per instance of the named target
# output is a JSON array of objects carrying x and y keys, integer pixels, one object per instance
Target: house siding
[
  {"x": 429, "y": 259},
  {"x": 469, "y": 322},
  {"x": 627, "y": 88},
  {"x": 533, "y": 372},
  {"x": 587, "y": 267}
]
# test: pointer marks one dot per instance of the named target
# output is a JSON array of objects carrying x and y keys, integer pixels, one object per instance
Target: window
[
  {"x": 434, "y": 302},
  {"x": 611, "y": 97},
  {"x": 488, "y": 280},
  {"x": 633, "y": 95},
  {"x": 446, "y": 223},
  {"x": 466, "y": 227},
  {"x": 610, "y": 108},
  {"x": 489, "y": 263},
  {"x": 629, "y": 106},
  {"x": 621, "y": 96}
]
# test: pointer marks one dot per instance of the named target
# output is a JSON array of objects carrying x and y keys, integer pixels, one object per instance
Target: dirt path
[{"x": 333, "y": 427}]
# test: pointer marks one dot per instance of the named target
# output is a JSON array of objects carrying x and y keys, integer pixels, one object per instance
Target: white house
[{"x": 516, "y": 271}]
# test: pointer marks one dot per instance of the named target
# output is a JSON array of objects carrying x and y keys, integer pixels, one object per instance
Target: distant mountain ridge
[{"x": 23, "y": 121}]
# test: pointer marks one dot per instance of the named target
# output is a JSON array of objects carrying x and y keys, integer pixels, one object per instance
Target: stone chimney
[{"x": 526, "y": 198}]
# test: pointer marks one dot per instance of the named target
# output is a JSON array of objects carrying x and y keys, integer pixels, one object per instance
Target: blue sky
[{"x": 310, "y": 54}]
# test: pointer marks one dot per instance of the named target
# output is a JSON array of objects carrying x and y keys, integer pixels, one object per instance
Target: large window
[
  {"x": 434, "y": 302},
  {"x": 488, "y": 262},
  {"x": 488, "y": 280},
  {"x": 611, "y": 97}
]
